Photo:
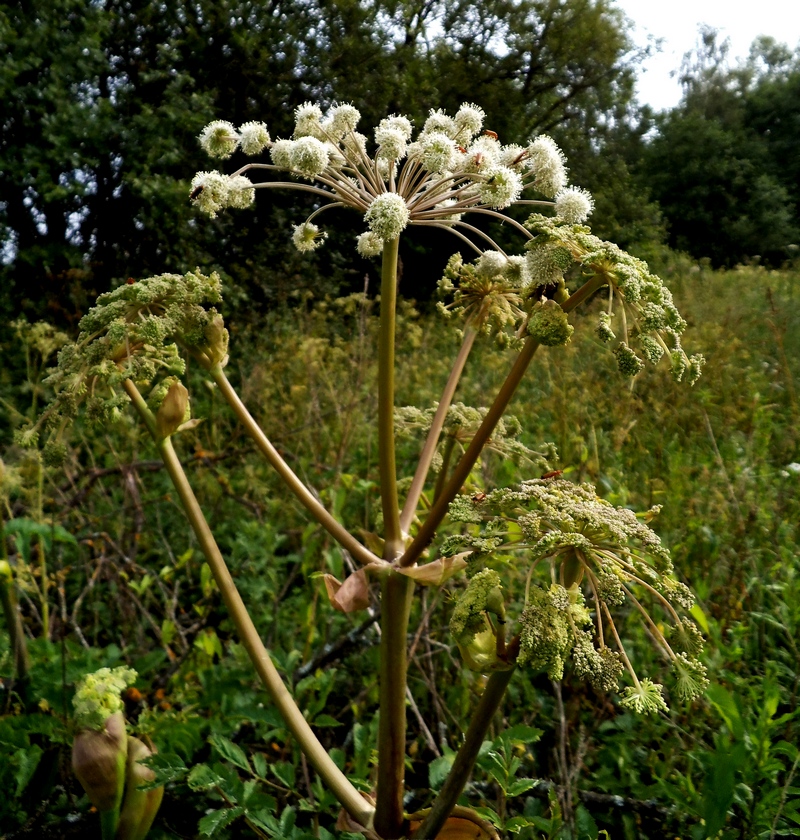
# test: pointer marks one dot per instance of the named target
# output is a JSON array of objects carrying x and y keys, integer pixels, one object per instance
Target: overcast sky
[{"x": 677, "y": 21}]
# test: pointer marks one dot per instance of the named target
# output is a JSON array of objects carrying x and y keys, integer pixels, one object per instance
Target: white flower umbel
[
  {"x": 308, "y": 156},
  {"x": 490, "y": 264},
  {"x": 395, "y": 179},
  {"x": 219, "y": 139},
  {"x": 253, "y": 137},
  {"x": 574, "y": 204},
  {"x": 502, "y": 187},
  {"x": 308, "y": 237},
  {"x": 546, "y": 161},
  {"x": 209, "y": 192},
  {"x": 387, "y": 216},
  {"x": 369, "y": 244}
]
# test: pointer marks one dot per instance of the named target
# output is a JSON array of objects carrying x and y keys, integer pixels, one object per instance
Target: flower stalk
[{"x": 344, "y": 791}]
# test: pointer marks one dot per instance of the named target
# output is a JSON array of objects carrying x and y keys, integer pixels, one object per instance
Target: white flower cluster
[
  {"x": 214, "y": 191},
  {"x": 452, "y": 167},
  {"x": 220, "y": 139}
]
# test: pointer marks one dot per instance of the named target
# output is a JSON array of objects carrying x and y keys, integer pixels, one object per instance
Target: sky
[{"x": 677, "y": 21}]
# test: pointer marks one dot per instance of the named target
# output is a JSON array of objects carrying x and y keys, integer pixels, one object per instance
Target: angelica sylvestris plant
[{"x": 547, "y": 564}]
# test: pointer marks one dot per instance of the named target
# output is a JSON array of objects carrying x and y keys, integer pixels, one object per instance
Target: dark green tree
[{"x": 724, "y": 163}]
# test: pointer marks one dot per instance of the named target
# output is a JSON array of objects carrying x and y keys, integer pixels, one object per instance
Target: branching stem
[{"x": 350, "y": 798}]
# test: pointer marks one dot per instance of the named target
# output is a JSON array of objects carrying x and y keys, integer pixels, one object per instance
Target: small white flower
[
  {"x": 469, "y": 120},
  {"x": 308, "y": 121},
  {"x": 209, "y": 192},
  {"x": 483, "y": 154},
  {"x": 574, "y": 204},
  {"x": 438, "y": 121},
  {"x": 511, "y": 155},
  {"x": 502, "y": 187},
  {"x": 490, "y": 264},
  {"x": 355, "y": 143},
  {"x": 547, "y": 162},
  {"x": 387, "y": 216},
  {"x": 241, "y": 193},
  {"x": 399, "y": 123},
  {"x": 308, "y": 237},
  {"x": 219, "y": 139},
  {"x": 391, "y": 141},
  {"x": 438, "y": 151},
  {"x": 253, "y": 137},
  {"x": 794, "y": 467},
  {"x": 343, "y": 119},
  {"x": 280, "y": 152},
  {"x": 517, "y": 273},
  {"x": 448, "y": 217},
  {"x": 369, "y": 244},
  {"x": 308, "y": 156}
]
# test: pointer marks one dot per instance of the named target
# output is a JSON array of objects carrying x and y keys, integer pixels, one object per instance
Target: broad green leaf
[
  {"x": 519, "y": 786},
  {"x": 202, "y": 777},
  {"x": 284, "y": 772},
  {"x": 26, "y": 761},
  {"x": 438, "y": 770}
]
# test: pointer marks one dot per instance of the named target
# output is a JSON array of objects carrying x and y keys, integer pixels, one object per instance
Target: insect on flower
[
  {"x": 196, "y": 192},
  {"x": 553, "y": 474}
]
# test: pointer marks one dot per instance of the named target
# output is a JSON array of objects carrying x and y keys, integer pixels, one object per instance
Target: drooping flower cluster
[
  {"x": 593, "y": 557},
  {"x": 452, "y": 167},
  {"x": 648, "y": 317},
  {"x": 136, "y": 332}
]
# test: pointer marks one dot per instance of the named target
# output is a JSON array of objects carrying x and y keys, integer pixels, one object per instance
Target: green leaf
[
  {"x": 168, "y": 767},
  {"x": 584, "y": 822},
  {"x": 202, "y": 777},
  {"x": 231, "y": 752},
  {"x": 284, "y": 772},
  {"x": 438, "y": 770},
  {"x": 26, "y": 761},
  {"x": 519, "y": 786},
  {"x": 211, "y": 823},
  {"x": 260, "y": 765},
  {"x": 725, "y": 704},
  {"x": 522, "y": 734},
  {"x": 326, "y": 720}
]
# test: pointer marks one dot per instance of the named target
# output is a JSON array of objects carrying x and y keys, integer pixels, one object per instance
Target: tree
[{"x": 726, "y": 183}]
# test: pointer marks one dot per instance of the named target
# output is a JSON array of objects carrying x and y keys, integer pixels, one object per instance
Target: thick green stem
[
  {"x": 466, "y": 756},
  {"x": 428, "y": 451},
  {"x": 396, "y": 594},
  {"x": 344, "y": 791},
  {"x": 493, "y": 416},
  {"x": 386, "y": 457},
  {"x": 317, "y": 510}
]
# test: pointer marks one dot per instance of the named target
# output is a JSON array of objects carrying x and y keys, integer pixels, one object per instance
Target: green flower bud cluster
[
  {"x": 487, "y": 294},
  {"x": 462, "y": 422},
  {"x": 548, "y": 324},
  {"x": 471, "y": 626},
  {"x": 593, "y": 549},
  {"x": 134, "y": 333},
  {"x": 656, "y": 324},
  {"x": 97, "y": 696}
]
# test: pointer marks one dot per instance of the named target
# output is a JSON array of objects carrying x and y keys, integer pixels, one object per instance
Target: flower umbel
[{"x": 594, "y": 557}]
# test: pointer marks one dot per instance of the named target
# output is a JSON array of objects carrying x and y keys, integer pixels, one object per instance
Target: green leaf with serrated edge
[
  {"x": 288, "y": 818},
  {"x": 584, "y": 822},
  {"x": 260, "y": 764},
  {"x": 26, "y": 762},
  {"x": 265, "y": 820},
  {"x": 168, "y": 767},
  {"x": 213, "y": 822},
  {"x": 519, "y": 786},
  {"x": 522, "y": 734},
  {"x": 202, "y": 777},
  {"x": 284, "y": 772},
  {"x": 231, "y": 752},
  {"x": 326, "y": 720}
]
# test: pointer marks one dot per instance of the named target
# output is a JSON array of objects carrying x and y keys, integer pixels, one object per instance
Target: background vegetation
[{"x": 102, "y": 103}]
